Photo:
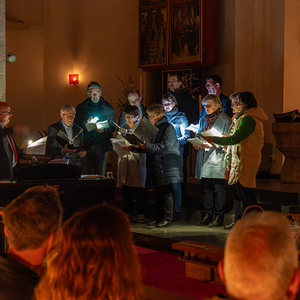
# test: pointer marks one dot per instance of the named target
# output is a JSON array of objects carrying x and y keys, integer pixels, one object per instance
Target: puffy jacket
[
  {"x": 246, "y": 151},
  {"x": 246, "y": 156},
  {"x": 163, "y": 154}
]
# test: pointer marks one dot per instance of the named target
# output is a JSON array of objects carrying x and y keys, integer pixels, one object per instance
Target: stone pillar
[{"x": 2, "y": 53}]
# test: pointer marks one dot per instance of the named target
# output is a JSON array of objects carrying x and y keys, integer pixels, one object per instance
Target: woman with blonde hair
[
  {"x": 210, "y": 166},
  {"x": 93, "y": 260},
  {"x": 245, "y": 142}
]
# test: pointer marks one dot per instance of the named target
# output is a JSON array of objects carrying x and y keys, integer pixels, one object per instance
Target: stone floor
[
  {"x": 271, "y": 194},
  {"x": 183, "y": 230}
]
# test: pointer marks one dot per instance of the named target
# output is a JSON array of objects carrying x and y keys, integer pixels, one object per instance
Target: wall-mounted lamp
[
  {"x": 10, "y": 58},
  {"x": 73, "y": 79}
]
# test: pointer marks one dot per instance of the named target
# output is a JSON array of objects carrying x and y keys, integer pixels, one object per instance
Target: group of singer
[{"x": 233, "y": 154}]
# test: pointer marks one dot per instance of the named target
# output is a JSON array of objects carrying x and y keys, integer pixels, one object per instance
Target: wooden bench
[{"x": 201, "y": 260}]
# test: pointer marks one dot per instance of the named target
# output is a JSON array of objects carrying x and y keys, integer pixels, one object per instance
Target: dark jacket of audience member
[
  {"x": 24, "y": 278},
  {"x": 164, "y": 156}
]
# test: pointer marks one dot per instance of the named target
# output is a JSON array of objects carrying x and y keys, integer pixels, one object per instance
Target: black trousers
[
  {"x": 186, "y": 153},
  {"x": 164, "y": 203},
  {"x": 245, "y": 198},
  {"x": 129, "y": 193},
  {"x": 214, "y": 197}
]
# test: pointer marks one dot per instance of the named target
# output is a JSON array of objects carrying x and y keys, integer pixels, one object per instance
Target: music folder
[{"x": 143, "y": 131}]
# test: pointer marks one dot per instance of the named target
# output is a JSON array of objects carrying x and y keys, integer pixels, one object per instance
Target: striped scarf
[{"x": 211, "y": 119}]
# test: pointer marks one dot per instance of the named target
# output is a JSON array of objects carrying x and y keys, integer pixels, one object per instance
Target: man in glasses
[
  {"x": 96, "y": 141},
  {"x": 9, "y": 154},
  {"x": 213, "y": 86},
  {"x": 186, "y": 103},
  {"x": 134, "y": 99},
  {"x": 71, "y": 132}
]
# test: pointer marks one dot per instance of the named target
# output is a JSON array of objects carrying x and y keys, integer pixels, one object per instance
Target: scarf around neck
[
  {"x": 172, "y": 113},
  {"x": 211, "y": 119}
]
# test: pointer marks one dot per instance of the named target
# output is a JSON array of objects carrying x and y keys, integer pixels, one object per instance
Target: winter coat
[
  {"x": 163, "y": 154},
  {"x": 246, "y": 156},
  {"x": 210, "y": 161}
]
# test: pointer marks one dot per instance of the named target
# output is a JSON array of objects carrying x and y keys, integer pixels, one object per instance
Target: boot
[
  {"x": 218, "y": 221},
  {"x": 205, "y": 220},
  {"x": 229, "y": 226}
]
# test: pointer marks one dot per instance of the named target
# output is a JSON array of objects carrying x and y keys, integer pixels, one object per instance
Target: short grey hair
[
  {"x": 66, "y": 107},
  {"x": 94, "y": 84},
  {"x": 260, "y": 257}
]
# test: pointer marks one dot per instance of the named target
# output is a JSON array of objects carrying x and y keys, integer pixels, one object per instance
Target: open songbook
[
  {"x": 93, "y": 124},
  {"x": 199, "y": 140},
  {"x": 193, "y": 128},
  {"x": 117, "y": 146},
  {"x": 143, "y": 131},
  {"x": 38, "y": 147},
  {"x": 63, "y": 139}
]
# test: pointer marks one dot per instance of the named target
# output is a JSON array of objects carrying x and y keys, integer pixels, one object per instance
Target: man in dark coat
[
  {"x": 134, "y": 99},
  {"x": 8, "y": 149},
  {"x": 32, "y": 222},
  {"x": 186, "y": 103},
  {"x": 213, "y": 86},
  {"x": 96, "y": 141},
  {"x": 72, "y": 131}
]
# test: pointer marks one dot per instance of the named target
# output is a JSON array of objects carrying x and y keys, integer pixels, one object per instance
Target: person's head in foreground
[
  {"x": 93, "y": 260},
  {"x": 33, "y": 219},
  {"x": 260, "y": 259}
]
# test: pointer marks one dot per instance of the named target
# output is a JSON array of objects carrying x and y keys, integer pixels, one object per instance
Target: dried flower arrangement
[{"x": 128, "y": 86}]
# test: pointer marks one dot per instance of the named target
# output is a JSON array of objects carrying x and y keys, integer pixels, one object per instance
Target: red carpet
[{"x": 163, "y": 270}]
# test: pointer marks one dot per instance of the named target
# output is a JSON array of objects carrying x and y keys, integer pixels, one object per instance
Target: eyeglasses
[
  {"x": 172, "y": 81},
  {"x": 164, "y": 104},
  {"x": 69, "y": 115},
  {"x": 152, "y": 117},
  {"x": 6, "y": 112},
  {"x": 129, "y": 117},
  {"x": 94, "y": 93},
  {"x": 209, "y": 84},
  {"x": 134, "y": 100}
]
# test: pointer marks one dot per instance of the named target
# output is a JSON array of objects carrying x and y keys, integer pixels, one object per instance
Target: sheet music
[
  {"x": 117, "y": 145},
  {"x": 38, "y": 147},
  {"x": 99, "y": 125},
  {"x": 212, "y": 132},
  {"x": 195, "y": 142},
  {"x": 193, "y": 127}
]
